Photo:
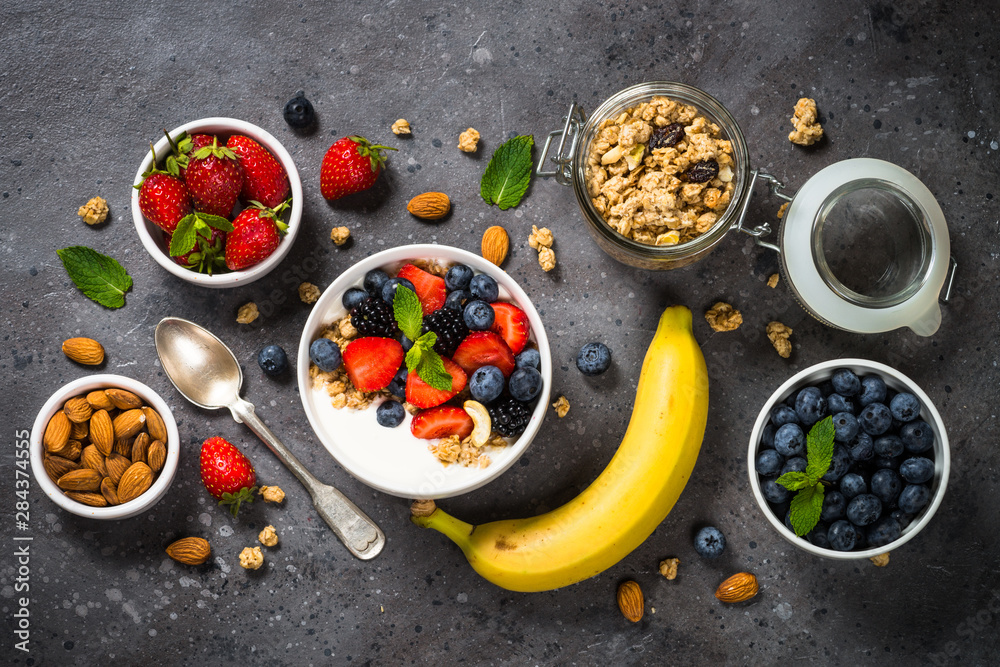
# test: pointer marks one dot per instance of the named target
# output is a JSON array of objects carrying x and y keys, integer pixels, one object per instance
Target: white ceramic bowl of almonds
[{"x": 161, "y": 479}]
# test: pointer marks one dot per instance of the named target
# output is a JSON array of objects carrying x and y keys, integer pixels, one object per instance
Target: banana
[{"x": 626, "y": 502}]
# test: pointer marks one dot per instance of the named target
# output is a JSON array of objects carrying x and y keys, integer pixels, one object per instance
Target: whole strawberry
[
  {"x": 227, "y": 473},
  {"x": 163, "y": 199},
  {"x": 181, "y": 149},
  {"x": 257, "y": 231},
  {"x": 264, "y": 179},
  {"x": 214, "y": 179},
  {"x": 208, "y": 254},
  {"x": 350, "y": 165}
]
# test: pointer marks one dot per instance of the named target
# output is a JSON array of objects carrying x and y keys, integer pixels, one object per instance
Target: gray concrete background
[{"x": 84, "y": 86}]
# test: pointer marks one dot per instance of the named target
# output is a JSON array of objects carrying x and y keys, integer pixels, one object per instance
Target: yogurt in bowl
[{"x": 393, "y": 460}]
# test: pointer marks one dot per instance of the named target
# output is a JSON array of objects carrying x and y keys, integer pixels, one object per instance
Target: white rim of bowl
[
  {"x": 132, "y": 507},
  {"x": 333, "y": 293},
  {"x": 893, "y": 379},
  {"x": 217, "y": 125}
]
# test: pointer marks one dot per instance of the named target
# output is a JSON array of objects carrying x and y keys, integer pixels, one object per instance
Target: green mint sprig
[
  {"x": 99, "y": 277},
  {"x": 508, "y": 174},
  {"x": 807, "y": 505},
  {"x": 192, "y": 226},
  {"x": 421, "y": 358}
]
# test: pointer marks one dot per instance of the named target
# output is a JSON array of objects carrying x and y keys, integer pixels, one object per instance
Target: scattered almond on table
[
  {"x": 630, "y": 601},
  {"x": 737, "y": 588},
  {"x": 429, "y": 206},
  {"x": 495, "y": 244},
  {"x": 86, "y": 351},
  {"x": 190, "y": 550}
]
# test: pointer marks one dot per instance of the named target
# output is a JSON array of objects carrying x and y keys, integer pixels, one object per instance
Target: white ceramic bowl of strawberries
[
  {"x": 155, "y": 240},
  {"x": 393, "y": 460}
]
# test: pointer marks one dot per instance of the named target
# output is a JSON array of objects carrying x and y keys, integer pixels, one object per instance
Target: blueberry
[
  {"x": 299, "y": 112},
  {"x": 826, "y": 388},
  {"x": 273, "y": 360},
  {"x": 810, "y": 406},
  {"x": 783, "y": 414},
  {"x": 524, "y": 384},
  {"x": 529, "y": 358},
  {"x": 593, "y": 358},
  {"x": 406, "y": 343},
  {"x": 709, "y": 542},
  {"x": 917, "y": 436},
  {"x": 818, "y": 536},
  {"x": 834, "y": 505},
  {"x": 875, "y": 419},
  {"x": 458, "y": 277},
  {"x": 886, "y": 484},
  {"x": 862, "y": 448},
  {"x": 353, "y": 297},
  {"x": 767, "y": 435},
  {"x": 864, "y": 509},
  {"x": 794, "y": 464},
  {"x": 846, "y": 382},
  {"x": 839, "y": 464},
  {"x": 486, "y": 384},
  {"x": 872, "y": 390},
  {"x": 456, "y": 300},
  {"x": 325, "y": 354},
  {"x": 888, "y": 446},
  {"x": 485, "y": 288},
  {"x": 845, "y": 427},
  {"x": 478, "y": 315},
  {"x": 905, "y": 407},
  {"x": 774, "y": 492},
  {"x": 861, "y": 542},
  {"x": 842, "y": 536},
  {"x": 914, "y": 498},
  {"x": 374, "y": 280},
  {"x": 837, "y": 403},
  {"x": 397, "y": 387},
  {"x": 917, "y": 470},
  {"x": 390, "y": 413},
  {"x": 852, "y": 484},
  {"x": 389, "y": 288},
  {"x": 789, "y": 440},
  {"x": 902, "y": 517},
  {"x": 788, "y": 521},
  {"x": 885, "y": 531},
  {"x": 769, "y": 463},
  {"x": 890, "y": 462}
]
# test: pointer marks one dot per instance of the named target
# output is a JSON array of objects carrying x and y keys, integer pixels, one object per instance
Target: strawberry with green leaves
[
  {"x": 350, "y": 165},
  {"x": 214, "y": 179},
  {"x": 181, "y": 149},
  {"x": 264, "y": 179},
  {"x": 227, "y": 473},
  {"x": 256, "y": 233},
  {"x": 207, "y": 255},
  {"x": 163, "y": 198}
]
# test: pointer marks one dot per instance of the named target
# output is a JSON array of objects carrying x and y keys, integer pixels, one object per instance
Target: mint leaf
[
  {"x": 806, "y": 507},
  {"x": 215, "y": 221},
  {"x": 793, "y": 481},
  {"x": 184, "y": 236},
  {"x": 98, "y": 276},
  {"x": 508, "y": 174},
  {"x": 408, "y": 312},
  {"x": 819, "y": 448},
  {"x": 426, "y": 363}
]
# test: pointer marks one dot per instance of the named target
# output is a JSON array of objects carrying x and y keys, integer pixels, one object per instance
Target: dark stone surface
[{"x": 85, "y": 85}]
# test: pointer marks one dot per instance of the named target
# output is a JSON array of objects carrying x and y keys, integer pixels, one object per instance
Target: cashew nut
[{"x": 481, "y": 419}]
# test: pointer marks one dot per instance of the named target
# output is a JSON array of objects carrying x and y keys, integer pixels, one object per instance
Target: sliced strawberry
[
  {"x": 441, "y": 422},
  {"x": 372, "y": 362},
  {"x": 484, "y": 348},
  {"x": 422, "y": 395},
  {"x": 430, "y": 288},
  {"x": 511, "y": 323}
]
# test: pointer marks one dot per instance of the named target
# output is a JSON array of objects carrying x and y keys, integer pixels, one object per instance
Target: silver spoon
[{"x": 206, "y": 372}]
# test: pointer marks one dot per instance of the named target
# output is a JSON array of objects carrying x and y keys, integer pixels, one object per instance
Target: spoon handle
[{"x": 359, "y": 533}]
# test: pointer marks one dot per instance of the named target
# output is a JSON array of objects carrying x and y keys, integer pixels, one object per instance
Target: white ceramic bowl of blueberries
[
  {"x": 376, "y": 445},
  {"x": 890, "y": 464}
]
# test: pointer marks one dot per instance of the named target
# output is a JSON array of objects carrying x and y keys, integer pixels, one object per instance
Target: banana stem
[{"x": 456, "y": 530}]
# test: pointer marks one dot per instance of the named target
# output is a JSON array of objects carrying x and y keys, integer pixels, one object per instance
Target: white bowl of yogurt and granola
[{"x": 376, "y": 397}]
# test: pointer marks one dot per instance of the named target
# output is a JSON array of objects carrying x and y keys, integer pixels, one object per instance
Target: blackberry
[
  {"x": 374, "y": 317},
  {"x": 510, "y": 417},
  {"x": 450, "y": 329}
]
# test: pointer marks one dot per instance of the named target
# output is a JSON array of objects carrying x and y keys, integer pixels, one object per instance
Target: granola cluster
[
  {"x": 542, "y": 240},
  {"x": 463, "y": 452},
  {"x": 660, "y": 173},
  {"x": 94, "y": 212},
  {"x": 723, "y": 317},
  {"x": 807, "y": 128},
  {"x": 779, "y": 334}
]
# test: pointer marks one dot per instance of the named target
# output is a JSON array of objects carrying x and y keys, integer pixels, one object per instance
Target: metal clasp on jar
[
  {"x": 569, "y": 140},
  {"x": 763, "y": 229}
]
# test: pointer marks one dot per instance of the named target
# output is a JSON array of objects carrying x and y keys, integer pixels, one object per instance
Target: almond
[
  {"x": 88, "y": 498},
  {"x": 128, "y": 423},
  {"x": 109, "y": 491},
  {"x": 56, "y": 432},
  {"x": 156, "y": 456},
  {"x": 116, "y": 466},
  {"x": 99, "y": 400},
  {"x": 57, "y": 466},
  {"x": 71, "y": 450},
  {"x": 92, "y": 458},
  {"x": 630, "y": 601},
  {"x": 430, "y": 206},
  {"x": 123, "y": 400},
  {"x": 83, "y": 479},
  {"x": 154, "y": 424},
  {"x": 738, "y": 588},
  {"x": 495, "y": 244},
  {"x": 102, "y": 431},
  {"x": 78, "y": 410},
  {"x": 79, "y": 431},
  {"x": 140, "y": 447},
  {"x": 134, "y": 482},
  {"x": 123, "y": 446},
  {"x": 190, "y": 550},
  {"x": 85, "y": 351}
]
